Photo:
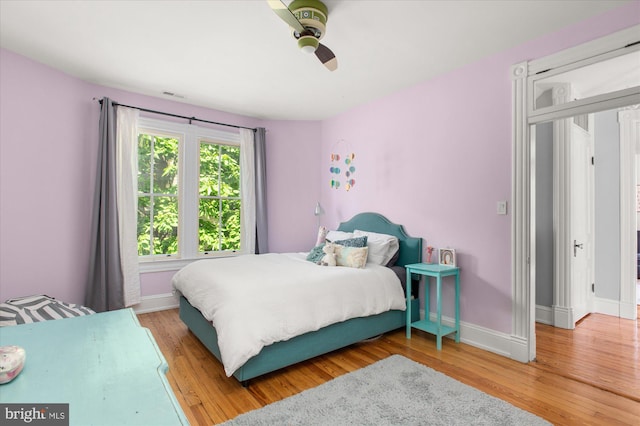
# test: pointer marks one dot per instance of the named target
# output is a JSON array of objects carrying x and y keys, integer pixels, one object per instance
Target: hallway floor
[{"x": 602, "y": 351}]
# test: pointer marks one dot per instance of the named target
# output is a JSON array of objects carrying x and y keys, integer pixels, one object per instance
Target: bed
[{"x": 310, "y": 344}]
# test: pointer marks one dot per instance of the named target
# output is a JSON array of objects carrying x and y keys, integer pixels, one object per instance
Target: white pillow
[
  {"x": 338, "y": 235},
  {"x": 382, "y": 247}
]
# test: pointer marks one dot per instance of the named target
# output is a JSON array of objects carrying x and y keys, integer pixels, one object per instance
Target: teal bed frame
[{"x": 327, "y": 339}]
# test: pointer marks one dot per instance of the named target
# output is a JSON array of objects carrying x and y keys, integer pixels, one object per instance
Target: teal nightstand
[{"x": 438, "y": 272}]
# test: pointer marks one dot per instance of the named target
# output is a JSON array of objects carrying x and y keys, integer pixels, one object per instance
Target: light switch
[{"x": 502, "y": 207}]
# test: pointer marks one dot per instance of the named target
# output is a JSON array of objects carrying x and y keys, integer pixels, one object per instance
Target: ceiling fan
[{"x": 308, "y": 20}]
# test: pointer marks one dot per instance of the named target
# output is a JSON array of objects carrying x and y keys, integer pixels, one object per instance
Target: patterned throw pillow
[
  {"x": 316, "y": 254},
  {"x": 353, "y": 242},
  {"x": 353, "y": 257}
]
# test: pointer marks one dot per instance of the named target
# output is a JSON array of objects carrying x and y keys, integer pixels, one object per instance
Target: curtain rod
[{"x": 180, "y": 116}]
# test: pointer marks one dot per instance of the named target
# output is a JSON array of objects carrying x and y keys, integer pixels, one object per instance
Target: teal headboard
[{"x": 410, "y": 247}]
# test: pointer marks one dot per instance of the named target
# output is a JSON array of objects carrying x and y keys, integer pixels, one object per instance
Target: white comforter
[{"x": 256, "y": 300}]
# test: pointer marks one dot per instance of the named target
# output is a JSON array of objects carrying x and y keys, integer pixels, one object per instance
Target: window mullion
[
  {"x": 151, "y": 197},
  {"x": 220, "y": 224},
  {"x": 189, "y": 194}
]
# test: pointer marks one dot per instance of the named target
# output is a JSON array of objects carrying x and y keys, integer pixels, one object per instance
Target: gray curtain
[
  {"x": 262, "y": 245},
  {"x": 105, "y": 281}
]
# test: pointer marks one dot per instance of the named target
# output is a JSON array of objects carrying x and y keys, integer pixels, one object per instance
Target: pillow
[
  {"x": 382, "y": 247},
  {"x": 316, "y": 254},
  {"x": 338, "y": 235},
  {"x": 353, "y": 242},
  {"x": 353, "y": 257}
]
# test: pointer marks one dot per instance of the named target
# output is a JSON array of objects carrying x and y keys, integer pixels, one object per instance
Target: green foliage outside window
[
  {"x": 219, "y": 190},
  {"x": 219, "y": 196},
  {"x": 157, "y": 195}
]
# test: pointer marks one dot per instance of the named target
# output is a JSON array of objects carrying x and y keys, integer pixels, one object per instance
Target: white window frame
[{"x": 190, "y": 137}]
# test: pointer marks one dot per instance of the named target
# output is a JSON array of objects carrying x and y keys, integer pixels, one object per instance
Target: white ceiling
[{"x": 238, "y": 56}]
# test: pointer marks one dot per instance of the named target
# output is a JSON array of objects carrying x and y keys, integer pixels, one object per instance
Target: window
[
  {"x": 219, "y": 197},
  {"x": 189, "y": 194},
  {"x": 157, "y": 193}
]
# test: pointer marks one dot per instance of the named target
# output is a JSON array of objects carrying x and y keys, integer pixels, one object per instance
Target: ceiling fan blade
[
  {"x": 285, "y": 14},
  {"x": 327, "y": 57}
]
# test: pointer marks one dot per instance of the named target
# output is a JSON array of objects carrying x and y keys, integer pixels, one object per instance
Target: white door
[{"x": 582, "y": 217}]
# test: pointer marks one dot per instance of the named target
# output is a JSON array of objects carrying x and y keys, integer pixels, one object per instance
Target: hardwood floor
[{"x": 589, "y": 376}]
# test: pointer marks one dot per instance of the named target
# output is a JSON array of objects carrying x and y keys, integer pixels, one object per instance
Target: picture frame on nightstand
[{"x": 447, "y": 256}]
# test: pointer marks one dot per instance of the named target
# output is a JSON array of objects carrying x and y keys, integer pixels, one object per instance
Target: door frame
[
  {"x": 629, "y": 122},
  {"x": 563, "y": 308},
  {"x": 524, "y": 116}
]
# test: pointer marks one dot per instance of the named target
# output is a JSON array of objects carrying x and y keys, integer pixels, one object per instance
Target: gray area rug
[{"x": 393, "y": 391}]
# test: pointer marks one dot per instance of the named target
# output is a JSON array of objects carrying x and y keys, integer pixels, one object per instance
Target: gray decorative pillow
[
  {"x": 316, "y": 254},
  {"x": 353, "y": 242}
]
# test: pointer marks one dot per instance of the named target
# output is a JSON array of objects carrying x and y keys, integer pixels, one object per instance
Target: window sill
[{"x": 164, "y": 265}]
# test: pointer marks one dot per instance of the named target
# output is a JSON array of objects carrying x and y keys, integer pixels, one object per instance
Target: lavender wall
[
  {"x": 437, "y": 162},
  {"x": 437, "y": 158},
  {"x": 292, "y": 181},
  {"x": 48, "y": 136},
  {"x": 46, "y": 164}
]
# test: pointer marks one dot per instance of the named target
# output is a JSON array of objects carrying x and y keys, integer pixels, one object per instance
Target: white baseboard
[
  {"x": 616, "y": 308},
  {"x": 562, "y": 317},
  {"x": 156, "y": 302},
  {"x": 544, "y": 315},
  {"x": 519, "y": 349},
  {"x": 480, "y": 337},
  {"x": 629, "y": 310},
  {"x": 607, "y": 306}
]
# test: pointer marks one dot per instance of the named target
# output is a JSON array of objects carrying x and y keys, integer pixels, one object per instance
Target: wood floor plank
[{"x": 586, "y": 376}]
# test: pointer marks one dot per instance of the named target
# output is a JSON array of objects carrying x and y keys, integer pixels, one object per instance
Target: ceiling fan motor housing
[
  {"x": 312, "y": 14},
  {"x": 308, "y": 43}
]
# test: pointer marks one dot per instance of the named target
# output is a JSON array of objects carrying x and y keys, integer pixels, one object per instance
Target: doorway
[
  {"x": 601, "y": 291},
  {"x": 526, "y": 77}
]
